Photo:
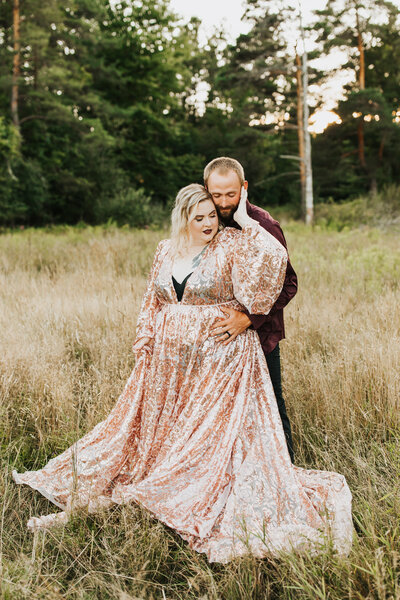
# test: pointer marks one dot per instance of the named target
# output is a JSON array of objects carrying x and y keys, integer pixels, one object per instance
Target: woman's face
[{"x": 204, "y": 224}]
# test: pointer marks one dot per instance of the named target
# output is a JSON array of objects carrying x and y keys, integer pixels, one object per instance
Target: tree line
[{"x": 101, "y": 119}]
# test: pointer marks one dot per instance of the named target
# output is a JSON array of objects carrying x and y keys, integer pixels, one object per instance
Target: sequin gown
[{"x": 195, "y": 436}]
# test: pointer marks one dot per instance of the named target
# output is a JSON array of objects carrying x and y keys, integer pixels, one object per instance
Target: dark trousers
[{"x": 274, "y": 366}]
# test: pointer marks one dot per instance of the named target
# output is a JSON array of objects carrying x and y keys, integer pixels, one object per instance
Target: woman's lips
[{"x": 207, "y": 231}]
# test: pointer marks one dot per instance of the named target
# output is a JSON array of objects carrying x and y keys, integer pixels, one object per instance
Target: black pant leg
[{"x": 274, "y": 367}]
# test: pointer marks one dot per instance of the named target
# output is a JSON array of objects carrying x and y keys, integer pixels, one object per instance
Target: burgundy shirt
[{"x": 271, "y": 328}]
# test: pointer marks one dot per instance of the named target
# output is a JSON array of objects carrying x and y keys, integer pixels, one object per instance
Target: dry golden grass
[{"x": 68, "y": 305}]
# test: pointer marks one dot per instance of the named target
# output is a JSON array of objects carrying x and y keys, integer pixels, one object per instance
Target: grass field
[{"x": 68, "y": 305}]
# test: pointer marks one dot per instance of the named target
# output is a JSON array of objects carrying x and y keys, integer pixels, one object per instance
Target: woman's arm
[
  {"x": 145, "y": 328},
  {"x": 259, "y": 264}
]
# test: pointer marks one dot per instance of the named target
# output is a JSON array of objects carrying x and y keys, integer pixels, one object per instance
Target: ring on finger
[{"x": 229, "y": 334}]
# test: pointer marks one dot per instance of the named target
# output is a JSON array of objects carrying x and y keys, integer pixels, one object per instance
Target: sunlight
[{"x": 320, "y": 120}]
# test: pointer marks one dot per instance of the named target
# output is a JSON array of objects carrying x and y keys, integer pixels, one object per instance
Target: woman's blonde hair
[{"x": 184, "y": 211}]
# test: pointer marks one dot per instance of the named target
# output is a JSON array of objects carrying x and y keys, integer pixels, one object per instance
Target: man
[{"x": 224, "y": 178}]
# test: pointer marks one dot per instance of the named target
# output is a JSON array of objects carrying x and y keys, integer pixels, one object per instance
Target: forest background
[{"x": 100, "y": 116}]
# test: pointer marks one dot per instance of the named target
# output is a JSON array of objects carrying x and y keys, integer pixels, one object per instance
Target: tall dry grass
[{"x": 68, "y": 305}]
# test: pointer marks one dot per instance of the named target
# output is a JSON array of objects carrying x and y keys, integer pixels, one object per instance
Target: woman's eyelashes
[{"x": 212, "y": 216}]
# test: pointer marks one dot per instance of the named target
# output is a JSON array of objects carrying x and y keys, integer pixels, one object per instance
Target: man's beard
[{"x": 227, "y": 215}]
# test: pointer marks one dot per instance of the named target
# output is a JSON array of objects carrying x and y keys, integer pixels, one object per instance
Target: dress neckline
[
  {"x": 180, "y": 287},
  {"x": 202, "y": 255},
  {"x": 183, "y": 280}
]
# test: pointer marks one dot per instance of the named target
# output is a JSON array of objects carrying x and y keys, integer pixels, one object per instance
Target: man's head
[{"x": 224, "y": 178}]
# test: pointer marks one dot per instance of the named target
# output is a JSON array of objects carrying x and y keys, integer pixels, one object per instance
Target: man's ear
[{"x": 245, "y": 184}]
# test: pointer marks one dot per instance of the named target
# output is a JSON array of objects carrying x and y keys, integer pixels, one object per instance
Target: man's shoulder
[
  {"x": 267, "y": 222},
  {"x": 263, "y": 217}
]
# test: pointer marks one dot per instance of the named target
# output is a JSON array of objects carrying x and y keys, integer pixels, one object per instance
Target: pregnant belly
[
  {"x": 183, "y": 336},
  {"x": 189, "y": 323}
]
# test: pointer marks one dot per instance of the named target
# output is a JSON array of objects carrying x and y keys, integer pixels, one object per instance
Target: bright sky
[
  {"x": 213, "y": 13},
  {"x": 228, "y": 12}
]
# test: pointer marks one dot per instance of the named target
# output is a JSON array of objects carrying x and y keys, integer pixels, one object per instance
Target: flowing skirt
[{"x": 196, "y": 438}]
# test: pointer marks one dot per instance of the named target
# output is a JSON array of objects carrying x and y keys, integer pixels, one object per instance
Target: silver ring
[{"x": 229, "y": 334}]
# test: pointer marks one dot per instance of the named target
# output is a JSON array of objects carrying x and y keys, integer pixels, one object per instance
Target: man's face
[{"x": 225, "y": 191}]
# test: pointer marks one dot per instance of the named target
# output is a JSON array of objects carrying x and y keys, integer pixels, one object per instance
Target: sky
[
  {"x": 227, "y": 12},
  {"x": 213, "y": 13}
]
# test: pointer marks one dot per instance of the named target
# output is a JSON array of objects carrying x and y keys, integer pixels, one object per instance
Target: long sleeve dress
[{"x": 195, "y": 436}]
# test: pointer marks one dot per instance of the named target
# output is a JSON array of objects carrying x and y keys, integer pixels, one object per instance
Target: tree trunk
[
  {"x": 300, "y": 134},
  {"x": 16, "y": 65},
  {"x": 307, "y": 140},
  {"x": 361, "y": 84},
  {"x": 381, "y": 147},
  {"x": 361, "y": 75},
  {"x": 360, "y": 135},
  {"x": 307, "y": 148}
]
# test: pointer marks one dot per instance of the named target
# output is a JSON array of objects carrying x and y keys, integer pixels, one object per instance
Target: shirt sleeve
[
  {"x": 289, "y": 289},
  {"x": 150, "y": 303},
  {"x": 258, "y": 269}
]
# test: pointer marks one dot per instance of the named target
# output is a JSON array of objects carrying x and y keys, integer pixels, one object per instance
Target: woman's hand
[
  {"x": 140, "y": 344},
  {"x": 241, "y": 217}
]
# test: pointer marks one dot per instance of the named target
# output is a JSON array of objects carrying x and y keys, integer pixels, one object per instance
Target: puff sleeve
[
  {"x": 258, "y": 269},
  {"x": 150, "y": 303}
]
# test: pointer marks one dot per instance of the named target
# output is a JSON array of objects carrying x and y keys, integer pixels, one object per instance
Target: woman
[{"x": 196, "y": 436}]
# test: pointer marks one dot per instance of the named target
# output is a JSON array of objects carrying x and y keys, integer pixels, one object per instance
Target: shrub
[
  {"x": 379, "y": 210},
  {"x": 134, "y": 208}
]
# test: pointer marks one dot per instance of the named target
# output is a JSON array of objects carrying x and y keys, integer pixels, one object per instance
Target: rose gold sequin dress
[{"x": 195, "y": 437}]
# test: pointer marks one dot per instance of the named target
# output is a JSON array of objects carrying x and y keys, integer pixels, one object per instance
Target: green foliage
[
  {"x": 9, "y": 209},
  {"x": 134, "y": 208},
  {"x": 340, "y": 169},
  {"x": 100, "y": 108},
  {"x": 257, "y": 77},
  {"x": 107, "y": 107},
  {"x": 379, "y": 210}
]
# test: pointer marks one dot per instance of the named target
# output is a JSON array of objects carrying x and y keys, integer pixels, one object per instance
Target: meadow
[{"x": 69, "y": 299}]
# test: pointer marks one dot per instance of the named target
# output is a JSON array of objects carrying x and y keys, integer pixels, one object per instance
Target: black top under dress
[{"x": 180, "y": 287}]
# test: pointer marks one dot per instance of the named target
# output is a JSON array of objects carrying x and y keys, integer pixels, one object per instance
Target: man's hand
[{"x": 235, "y": 323}]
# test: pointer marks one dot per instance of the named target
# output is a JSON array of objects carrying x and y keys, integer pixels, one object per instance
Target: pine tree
[
  {"x": 361, "y": 30},
  {"x": 259, "y": 84}
]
